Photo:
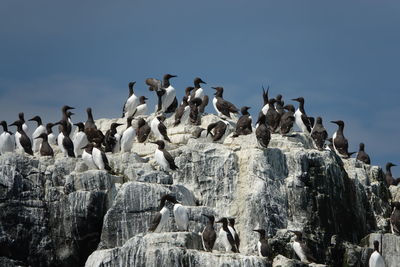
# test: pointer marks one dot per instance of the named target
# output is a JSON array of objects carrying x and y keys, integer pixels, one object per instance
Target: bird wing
[
  {"x": 306, "y": 122},
  {"x": 105, "y": 160},
  {"x": 172, "y": 107},
  {"x": 143, "y": 132},
  {"x": 219, "y": 132},
  {"x": 341, "y": 145},
  {"x": 69, "y": 146},
  {"x": 155, "y": 222},
  {"x": 153, "y": 83},
  {"x": 307, "y": 252},
  {"x": 203, "y": 104},
  {"x": 226, "y": 107},
  {"x": 170, "y": 160},
  {"x": 231, "y": 241},
  {"x": 26, "y": 144},
  {"x": 163, "y": 131}
]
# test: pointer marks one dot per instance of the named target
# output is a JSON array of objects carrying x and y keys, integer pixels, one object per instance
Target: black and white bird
[
  {"x": 131, "y": 103},
  {"x": 143, "y": 130},
  {"x": 100, "y": 158},
  {"x": 128, "y": 136},
  {"x": 218, "y": 130},
  {"x": 222, "y": 106},
  {"x": 226, "y": 237},
  {"x": 197, "y": 91},
  {"x": 389, "y": 177},
  {"x": 7, "y": 139},
  {"x": 45, "y": 148},
  {"x": 340, "y": 143},
  {"x": 141, "y": 109},
  {"x": 159, "y": 129},
  {"x": 244, "y": 123},
  {"x": 161, "y": 217},
  {"x": 91, "y": 131},
  {"x": 64, "y": 141},
  {"x": 376, "y": 259},
  {"x": 169, "y": 103},
  {"x": 301, "y": 118},
  {"x": 263, "y": 248},
  {"x": 181, "y": 214},
  {"x": 52, "y": 139},
  {"x": 80, "y": 139},
  {"x": 319, "y": 134},
  {"x": 263, "y": 134},
  {"x": 209, "y": 235},
  {"x": 66, "y": 117},
  {"x": 36, "y": 142},
  {"x": 362, "y": 155},
  {"x": 22, "y": 119},
  {"x": 112, "y": 139},
  {"x": 88, "y": 157},
  {"x": 182, "y": 112},
  {"x": 163, "y": 157},
  {"x": 231, "y": 227},
  {"x": 395, "y": 218},
  {"x": 287, "y": 120},
  {"x": 22, "y": 140},
  {"x": 301, "y": 249}
]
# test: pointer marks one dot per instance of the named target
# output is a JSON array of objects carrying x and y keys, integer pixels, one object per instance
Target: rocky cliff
[{"x": 55, "y": 212}]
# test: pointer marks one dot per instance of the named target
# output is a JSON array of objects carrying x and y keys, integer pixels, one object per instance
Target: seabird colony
[{"x": 90, "y": 144}]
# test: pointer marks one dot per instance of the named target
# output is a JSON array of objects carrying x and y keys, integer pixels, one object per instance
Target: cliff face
[{"x": 55, "y": 212}]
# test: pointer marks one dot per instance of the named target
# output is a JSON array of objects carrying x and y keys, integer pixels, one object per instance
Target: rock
[
  {"x": 72, "y": 215},
  {"x": 282, "y": 261}
]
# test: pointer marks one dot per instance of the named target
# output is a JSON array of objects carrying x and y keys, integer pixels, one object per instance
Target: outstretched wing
[
  {"x": 153, "y": 83},
  {"x": 155, "y": 222}
]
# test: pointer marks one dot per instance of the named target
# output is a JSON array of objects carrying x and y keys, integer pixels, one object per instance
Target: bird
[
  {"x": 158, "y": 128},
  {"x": 225, "y": 236},
  {"x": 264, "y": 249},
  {"x": 219, "y": 130},
  {"x": 169, "y": 102},
  {"x": 301, "y": 118},
  {"x": 38, "y": 131},
  {"x": 100, "y": 158},
  {"x": 263, "y": 134},
  {"x": 45, "y": 148},
  {"x": 128, "y": 136},
  {"x": 143, "y": 130},
  {"x": 64, "y": 141},
  {"x": 265, "y": 107},
  {"x": 93, "y": 135},
  {"x": 208, "y": 236},
  {"x": 389, "y": 178},
  {"x": 197, "y": 91},
  {"x": 319, "y": 134},
  {"x": 243, "y": 125},
  {"x": 180, "y": 214},
  {"x": 231, "y": 227},
  {"x": 287, "y": 120},
  {"x": 301, "y": 249},
  {"x": 340, "y": 143},
  {"x": 131, "y": 103},
  {"x": 22, "y": 119},
  {"x": 141, "y": 109},
  {"x": 66, "y": 117},
  {"x": 163, "y": 157},
  {"x": 395, "y": 218},
  {"x": 182, "y": 112},
  {"x": 80, "y": 139},
  {"x": 50, "y": 135},
  {"x": 7, "y": 139},
  {"x": 376, "y": 259},
  {"x": 194, "y": 113},
  {"x": 222, "y": 106},
  {"x": 362, "y": 155},
  {"x": 273, "y": 117},
  {"x": 161, "y": 217},
  {"x": 22, "y": 139},
  {"x": 88, "y": 157},
  {"x": 112, "y": 139}
]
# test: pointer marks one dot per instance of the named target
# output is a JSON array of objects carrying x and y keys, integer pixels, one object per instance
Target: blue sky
[{"x": 341, "y": 56}]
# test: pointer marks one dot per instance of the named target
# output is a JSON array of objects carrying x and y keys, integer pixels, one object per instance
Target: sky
[{"x": 341, "y": 56}]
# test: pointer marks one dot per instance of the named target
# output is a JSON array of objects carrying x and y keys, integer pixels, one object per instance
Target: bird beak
[
  {"x": 31, "y": 119},
  {"x": 214, "y": 88},
  {"x": 203, "y": 82},
  {"x": 75, "y": 124},
  {"x": 84, "y": 147},
  {"x": 220, "y": 221},
  {"x": 295, "y": 99},
  {"x": 13, "y": 124},
  {"x": 37, "y": 137},
  {"x": 173, "y": 76},
  {"x": 335, "y": 122}
]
